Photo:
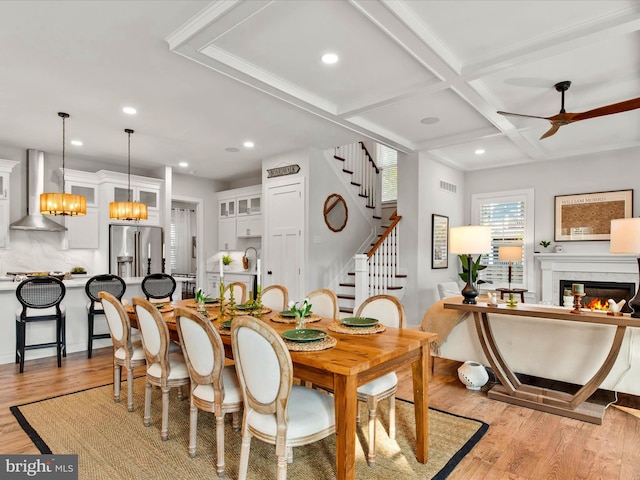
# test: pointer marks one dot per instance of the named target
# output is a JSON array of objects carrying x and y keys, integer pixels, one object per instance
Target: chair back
[
  {"x": 324, "y": 302},
  {"x": 264, "y": 368},
  {"x": 118, "y": 321},
  {"x": 112, "y": 284},
  {"x": 159, "y": 286},
  {"x": 202, "y": 349},
  {"x": 276, "y": 297},
  {"x": 448, "y": 289},
  {"x": 39, "y": 293},
  {"x": 155, "y": 334},
  {"x": 239, "y": 292},
  {"x": 386, "y": 308}
]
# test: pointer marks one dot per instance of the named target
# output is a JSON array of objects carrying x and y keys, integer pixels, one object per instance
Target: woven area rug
[{"x": 113, "y": 444}]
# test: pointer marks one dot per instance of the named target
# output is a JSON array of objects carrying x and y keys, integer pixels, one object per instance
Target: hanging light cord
[
  {"x": 129, "y": 132},
  {"x": 64, "y": 116}
]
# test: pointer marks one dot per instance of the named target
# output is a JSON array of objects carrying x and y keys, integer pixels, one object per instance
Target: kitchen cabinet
[
  {"x": 249, "y": 205},
  {"x": 213, "y": 282},
  {"x": 227, "y": 208},
  {"x": 249, "y": 226},
  {"x": 239, "y": 216},
  {"x": 227, "y": 236},
  {"x": 83, "y": 232},
  {"x": 115, "y": 187},
  {"x": 5, "y": 172}
]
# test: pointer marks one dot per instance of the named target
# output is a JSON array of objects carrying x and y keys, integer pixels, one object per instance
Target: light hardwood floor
[{"x": 520, "y": 444}]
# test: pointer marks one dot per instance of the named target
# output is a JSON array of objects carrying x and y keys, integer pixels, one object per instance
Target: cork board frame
[{"x": 587, "y": 216}]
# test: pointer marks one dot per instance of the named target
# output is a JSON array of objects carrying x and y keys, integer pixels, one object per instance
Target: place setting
[
  {"x": 289, "y": 316},
  {"x": 357, "y": 326},
  {"x": 307, "y": 340}
]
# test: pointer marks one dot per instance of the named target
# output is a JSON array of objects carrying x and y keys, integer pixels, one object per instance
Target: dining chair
[
  {"x": 390, "y": 312},
  {"x": 96, "y": 284},
  {"x": 165, "y": 369},
  {"x": 324, "y": 302},
  {"x": 214, "y": 386},
  {"x": 159, "y": 287},
  {"x": 127, "y": 352},
  {"x": 239, "y": 292},
  {"x": 275, "y": 297},
  {"x": 40, "y": 299},
  {"x": 275, "y": 410}
]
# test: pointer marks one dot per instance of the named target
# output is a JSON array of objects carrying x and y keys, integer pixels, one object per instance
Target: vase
[
  {"x": 473, "y": 375},
  {"x": 299, "y": 321}
]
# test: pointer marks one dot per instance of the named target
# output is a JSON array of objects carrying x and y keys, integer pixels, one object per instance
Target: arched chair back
[
  {"x": 324, "y": 302},
  {"x": 159, "y": 286},
  {"x": 214, "y": 386},
  {"x": 239, "y": 292},
  {"x": 272, "y": 404},
  {"x": 386, "y": 308},
  {"x": 276, "y": 297},
  {"x": 126, "y": 352},
  {"x": 40, "y": 299},
  {"x": 112, "y": 284}
]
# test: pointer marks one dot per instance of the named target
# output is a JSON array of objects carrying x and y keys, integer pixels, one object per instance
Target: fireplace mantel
[{"x": 605, "y": 267}]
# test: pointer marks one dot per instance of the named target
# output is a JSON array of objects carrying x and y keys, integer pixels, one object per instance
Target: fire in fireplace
[{"x": 597, "y": 293}]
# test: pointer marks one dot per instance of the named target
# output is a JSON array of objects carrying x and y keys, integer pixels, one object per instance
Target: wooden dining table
[{"x": 352, "y": 362}]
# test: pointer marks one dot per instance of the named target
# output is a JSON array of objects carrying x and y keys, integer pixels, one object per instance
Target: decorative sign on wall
[{"x": 282, "y": 171}]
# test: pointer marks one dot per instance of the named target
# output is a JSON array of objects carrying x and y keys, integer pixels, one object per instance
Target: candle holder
[
  {"x": 221, "y": 300},
  {"x": 163, "y": 264},
  {"x": 577, "y": 302},
  {"x": 149, "y": 266}
]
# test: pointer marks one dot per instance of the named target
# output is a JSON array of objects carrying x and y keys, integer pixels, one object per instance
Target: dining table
[{"x": 351, "y": 361}]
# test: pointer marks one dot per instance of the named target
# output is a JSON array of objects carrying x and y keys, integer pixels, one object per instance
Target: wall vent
[{"x": 448, "y": 187}]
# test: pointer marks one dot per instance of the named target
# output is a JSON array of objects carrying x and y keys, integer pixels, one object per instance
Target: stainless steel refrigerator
[{"x": 131, "y": 247}]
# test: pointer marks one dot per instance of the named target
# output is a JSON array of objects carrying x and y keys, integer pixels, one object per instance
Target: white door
[{"x": 284, "y": 240}]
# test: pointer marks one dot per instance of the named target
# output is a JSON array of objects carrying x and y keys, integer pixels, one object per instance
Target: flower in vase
[{"x": 300, "y": 311}]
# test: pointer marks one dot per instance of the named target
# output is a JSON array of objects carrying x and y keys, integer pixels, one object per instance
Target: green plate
[
  {"x": 290, "y": 314},
  {"x": 210, "y": 300},
  {"x": 304, "y": 335},
  {"x": 245, "y": 306},
  {"x": 359, "y": 322},
  {"x": 226, "y": 324}
]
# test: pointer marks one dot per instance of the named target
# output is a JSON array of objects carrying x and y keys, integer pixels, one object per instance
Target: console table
[{"x": 547, "y": 400}]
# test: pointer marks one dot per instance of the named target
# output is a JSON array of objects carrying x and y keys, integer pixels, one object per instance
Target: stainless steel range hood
[{"x": 34, "y": 220}]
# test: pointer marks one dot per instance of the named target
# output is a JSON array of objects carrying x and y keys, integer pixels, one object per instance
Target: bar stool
[
  {"x": 40, "y": 298},
  {"x": 112, "y": 284},
  {"x": 158, "y": 286}
]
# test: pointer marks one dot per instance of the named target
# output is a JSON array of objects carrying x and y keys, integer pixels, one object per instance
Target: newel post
[{"x": 362, "y": 279}]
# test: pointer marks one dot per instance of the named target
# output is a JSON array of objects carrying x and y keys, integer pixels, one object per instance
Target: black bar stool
[
  {"x": 40, "y": 298},
  {"x": 112, "y": 284},
  {"x": 158, "y": 286}
]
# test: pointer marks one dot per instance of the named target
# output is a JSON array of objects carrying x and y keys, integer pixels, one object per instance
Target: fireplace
[{"x": 603, "y": 291}]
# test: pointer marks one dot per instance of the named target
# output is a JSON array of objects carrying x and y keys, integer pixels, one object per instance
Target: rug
[{"x": 113, "y": 444}]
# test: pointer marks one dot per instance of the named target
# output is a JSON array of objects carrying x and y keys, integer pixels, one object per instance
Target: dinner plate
[
  {"x": 226, "y": 324},
  {"x": 290, "y": 314},
  {"x": 211, "y": 300},
  {"x": 245, "y": 306},
  {"x": 304, "y": 335},
  {"x": 359, "y": 322}
]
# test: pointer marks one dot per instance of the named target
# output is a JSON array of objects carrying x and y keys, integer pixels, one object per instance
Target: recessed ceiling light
[
  {"x": 232, "y": 149},
  {"x": 329, "y": 58},
  {"x": 183, "y": 164},
  {"x": 429, "y": 120},
  {"x": 248, "y": 144},
  {"x": 129, "y": 110},
  {"x": 479, "y": 151},
  {"x": 77, "y": 143}
]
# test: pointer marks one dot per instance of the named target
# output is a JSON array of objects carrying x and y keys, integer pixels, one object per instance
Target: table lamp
[
  {"x": 510, "y": 254},
  {"x": 470, "y": 240},
  {"x": 625, "y": 238}
]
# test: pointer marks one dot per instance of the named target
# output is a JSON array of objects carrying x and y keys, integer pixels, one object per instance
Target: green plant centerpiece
[
  {"x": 201, "y": 297},
  {"x": 226, "y": 260},
  {"x": 301, "y": 312}
]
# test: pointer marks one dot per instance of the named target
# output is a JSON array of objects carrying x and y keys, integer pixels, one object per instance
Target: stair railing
[
  {"x": 375, "y": 271},
  {"x": 365, "y": 174}
]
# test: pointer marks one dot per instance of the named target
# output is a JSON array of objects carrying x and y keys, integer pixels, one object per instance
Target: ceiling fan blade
[
  {"x": 554, "y": 128},
  {"x": 608, "y": 109},
  {"x": 521, "y": 115}
]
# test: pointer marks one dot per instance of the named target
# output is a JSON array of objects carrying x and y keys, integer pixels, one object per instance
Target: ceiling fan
[{"x": 564, "y": 118}]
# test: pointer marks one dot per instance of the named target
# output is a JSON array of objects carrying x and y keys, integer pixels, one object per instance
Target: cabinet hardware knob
[{"x": 269, "y": 272}]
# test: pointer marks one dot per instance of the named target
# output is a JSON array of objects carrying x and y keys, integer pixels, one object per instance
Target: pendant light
[
  {"x": 128, "y": 210},
  {"x": 63, "y": 203}
]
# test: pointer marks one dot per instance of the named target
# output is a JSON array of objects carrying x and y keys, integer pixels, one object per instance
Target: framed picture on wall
[
  {"x": 587, "y": 216},
  {"x": 439, "y": 241}
]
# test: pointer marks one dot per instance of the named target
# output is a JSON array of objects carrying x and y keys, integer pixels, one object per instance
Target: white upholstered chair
[
  {"x": 214, "y": 386},
  {"x": 448, "y": 289},
  {"x": 390, "y": 312},
  {"x": 127, "y": 352},
  {"x": 239, "y": 292},
  {"x": 276, "y": 297},
  {"x": 275, "y": 410},
  {"x": 165, "y": 369},
  {"x": 324, "y": 302}
]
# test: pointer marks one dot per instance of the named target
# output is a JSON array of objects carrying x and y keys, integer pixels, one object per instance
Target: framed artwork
[
  {"x": 439, "y": 241},
  {"x": 587, "y": 216}
]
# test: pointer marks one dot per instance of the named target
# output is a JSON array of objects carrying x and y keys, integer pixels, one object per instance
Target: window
[
  {"x": 387, "y": 160},
  {"x": 510, "y": 216}
]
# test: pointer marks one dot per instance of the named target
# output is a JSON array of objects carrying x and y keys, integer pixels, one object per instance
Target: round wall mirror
[{"x": 335, "y": 212}]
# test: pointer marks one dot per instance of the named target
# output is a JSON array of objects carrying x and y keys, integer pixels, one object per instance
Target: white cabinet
[
  {"x": 5, "y": 172},
  {"x": 115, "y": 188},
  {"x": 249, "y": 226},
  {"x": 83, "y": 232},
  {"x": 250, "y": 205},
  {"x": 239, "y": 216},
  {"x": 213, "y": 282},
  {"x": 227, "y": 208},
  {"x": 227, "y": 238}
]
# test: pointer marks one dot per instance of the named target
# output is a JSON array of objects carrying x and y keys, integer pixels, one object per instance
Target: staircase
[{"x": 376, "y": 271}]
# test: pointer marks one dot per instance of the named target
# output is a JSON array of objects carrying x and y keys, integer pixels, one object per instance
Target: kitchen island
[{"x": 75, "y": 302}]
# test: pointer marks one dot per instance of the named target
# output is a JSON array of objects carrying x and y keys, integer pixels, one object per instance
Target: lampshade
[
  {"x": 625, "y": 235},
  {"x": 128, "y": 210},
  {"x": 62, "y": 203},
  {"x": 510, "y": 253},
  {"x": 470, "y": 240}
]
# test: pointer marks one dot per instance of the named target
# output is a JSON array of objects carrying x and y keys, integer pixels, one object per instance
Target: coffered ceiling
[{"x": 415, "y": 75}]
